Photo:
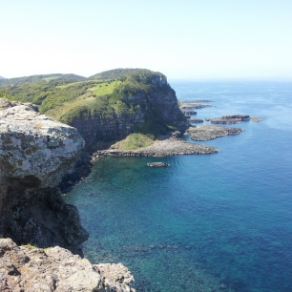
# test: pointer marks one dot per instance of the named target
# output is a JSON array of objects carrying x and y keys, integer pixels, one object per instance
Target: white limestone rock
[{"x": 35, "y": 149}]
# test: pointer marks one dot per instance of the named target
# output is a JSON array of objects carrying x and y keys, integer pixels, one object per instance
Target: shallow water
[{"x": 207, "y": 221}]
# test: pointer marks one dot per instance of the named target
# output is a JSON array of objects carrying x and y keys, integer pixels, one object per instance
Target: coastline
[{"x": 160, "y": 148}]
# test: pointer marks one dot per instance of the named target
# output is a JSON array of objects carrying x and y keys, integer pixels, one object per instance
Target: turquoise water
[{"x": 219, "y": 222}]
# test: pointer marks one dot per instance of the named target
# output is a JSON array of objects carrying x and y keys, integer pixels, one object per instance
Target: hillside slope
[
  {"x": 40, "y": 78},
  {"x": 113, "y": 74}
]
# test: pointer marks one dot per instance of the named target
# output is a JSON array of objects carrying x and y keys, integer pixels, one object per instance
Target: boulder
[
  {"x": 35, "y": 149},
  {"x": 28, "y": 268}
]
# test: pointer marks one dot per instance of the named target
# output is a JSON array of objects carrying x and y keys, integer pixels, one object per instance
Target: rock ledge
[{"x": 30, "y": 269}]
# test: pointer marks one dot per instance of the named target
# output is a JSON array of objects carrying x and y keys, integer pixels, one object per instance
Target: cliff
[
  {"x": 134, "y": 100},
  {"x": 142, "y": 102},
  {"x": 35, "y": 153}
]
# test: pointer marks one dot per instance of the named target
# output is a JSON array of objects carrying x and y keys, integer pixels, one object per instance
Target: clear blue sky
[{"x": 182, "y": 39}]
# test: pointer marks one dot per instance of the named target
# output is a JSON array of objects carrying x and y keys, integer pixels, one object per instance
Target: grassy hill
[
  {"x": 40, "y": 78},
  {"x": 112, "y": 74}
]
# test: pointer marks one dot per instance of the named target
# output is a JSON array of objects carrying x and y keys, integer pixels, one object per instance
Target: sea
[{"x": 206, "y": 223}]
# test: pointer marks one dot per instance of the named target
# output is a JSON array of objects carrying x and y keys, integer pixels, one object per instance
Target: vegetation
[
  {"x": 39, "y": 78},
  {"x": 30, "y": 246},
  {"x": 136, "y": 141},
  {"x": 112, "y": 74},
  {"x": 67, "y": 97}
]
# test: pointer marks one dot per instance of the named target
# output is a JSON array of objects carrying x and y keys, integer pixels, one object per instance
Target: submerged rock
[
  {"x": 30, "y": 269},
  {"x": 208, "y": 132},
  {"x": 158, "y": 164}
]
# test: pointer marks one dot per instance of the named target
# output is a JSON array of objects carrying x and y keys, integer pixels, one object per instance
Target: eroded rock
[
  {"x": 160, "y": 148},
  {"x": 229, "y": 119},
  {"x": 208, "y": 132},
  {"x": 30, "y": 269},
  {"x": 35, "y": 152},
  {"x": 35, "y": 149}
]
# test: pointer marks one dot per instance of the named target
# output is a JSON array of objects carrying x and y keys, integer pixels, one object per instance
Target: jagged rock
[
  {"x": 35, "y": 149},
  {"x": 208, "y": 132},
  {"x": 116, "y": 278},
  {"x": 35, "y": 152},
  {"x": 30, "y": 269},
  {"x": 229, "y": 119}
]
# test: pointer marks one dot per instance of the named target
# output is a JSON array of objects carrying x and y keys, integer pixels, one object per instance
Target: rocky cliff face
[
  {"x": 30, "y": 269},
  {"x": 35, "y": 153},
  {"x": 152, "y": 108}
]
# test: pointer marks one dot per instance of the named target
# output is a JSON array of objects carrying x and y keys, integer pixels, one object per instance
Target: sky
[{"x": 185, "y": 39}]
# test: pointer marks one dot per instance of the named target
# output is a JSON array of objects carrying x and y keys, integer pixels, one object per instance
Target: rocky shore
[
  {"x": 208, "y": 132},
  {"x": 160, "y": 148},
  {"x": 30, "y": 269}
]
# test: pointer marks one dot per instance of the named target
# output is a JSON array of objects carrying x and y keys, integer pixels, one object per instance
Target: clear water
[{"x": 219, "y": 222}]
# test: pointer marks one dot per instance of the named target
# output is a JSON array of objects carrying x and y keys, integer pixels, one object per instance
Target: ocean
[{"x": 218, "y": 222}]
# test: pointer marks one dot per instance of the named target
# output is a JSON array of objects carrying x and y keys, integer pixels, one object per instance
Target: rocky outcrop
[
  {"x": 35, "y": 149},
  {"x": 30, "y": 269},
  {"x": 35, "y": 153},
  {"x": 154, "y": 105},
  {"x": 160, "y": 148},
  {"x": 208, "y": 132},
  {"x": 158, "y": 164},
  {"x": 229, "y": 119},
  {"x": 196, "y": 121}
]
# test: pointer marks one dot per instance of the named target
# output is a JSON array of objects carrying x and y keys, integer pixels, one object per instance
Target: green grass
[
  {"x": 69, "y": 97},
  {"x": 136, "y": 141},
  {"x": 94, "y": 98}
]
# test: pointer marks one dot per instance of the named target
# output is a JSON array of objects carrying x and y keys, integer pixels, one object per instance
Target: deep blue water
[{"x": 208, "y": 221}]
